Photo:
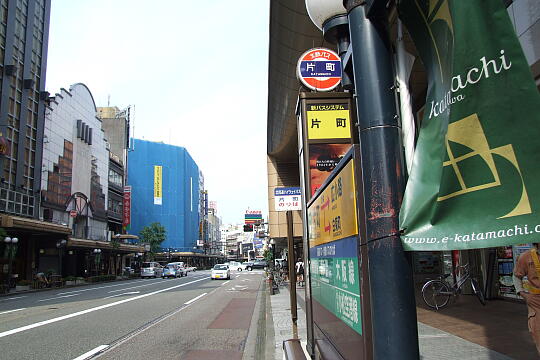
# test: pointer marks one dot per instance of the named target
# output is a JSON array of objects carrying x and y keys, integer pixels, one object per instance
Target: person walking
[
  {"x": 528, "y": 265},
  {"x": 300, "y": 272}
]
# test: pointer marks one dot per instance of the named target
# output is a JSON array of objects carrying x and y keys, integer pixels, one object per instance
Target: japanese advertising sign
[
  {"x": 333, "y": 248},
  {"x": 158, "y": 185},
  {"x": 333, "y": 215},
  {"x": 126, "y": 207},
  {"x": 474, "y": 181},
  {"x": 323, "y": 159},
  {"x": 288, "y": 198},
  {"x": 328, "y": 121},
  {"x": 253, "y": 216},
  {"x": 319, "y": 69}
]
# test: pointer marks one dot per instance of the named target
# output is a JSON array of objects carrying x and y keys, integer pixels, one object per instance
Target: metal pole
[
  {"x": 393, "y": 308},
  {"x": 292, "y": 279}
]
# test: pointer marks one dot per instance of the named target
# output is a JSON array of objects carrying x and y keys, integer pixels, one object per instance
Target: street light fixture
[
  {"x": 393, "y": 310},
  {"x": 97, "y": 253},
  {"x": 11, "y": 244}
]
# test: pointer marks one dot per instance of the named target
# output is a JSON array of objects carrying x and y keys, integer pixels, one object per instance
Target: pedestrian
[
  {"x": 285, "y": 269},
  {"x": 300, "y": 272},
  {"x": 528, "y": 265}
]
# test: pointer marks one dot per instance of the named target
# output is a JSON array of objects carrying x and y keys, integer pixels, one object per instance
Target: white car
[
  {"x": 236, "y": 266},
  {"x": 151, "y": 269},
  {"x": 220, "y": 271}
]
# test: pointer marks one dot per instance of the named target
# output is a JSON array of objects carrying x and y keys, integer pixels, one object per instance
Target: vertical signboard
[
  {"x": 126, "y": 207},
  {"x": 158, "y": 185},
  {"x": 327, "y": 128},
  {"x": 335, "y": 262}
]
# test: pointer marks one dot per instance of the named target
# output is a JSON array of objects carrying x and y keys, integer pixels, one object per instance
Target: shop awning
[
  {"x": 94, "y": 244},
  {"x": 18, "y": 222}
]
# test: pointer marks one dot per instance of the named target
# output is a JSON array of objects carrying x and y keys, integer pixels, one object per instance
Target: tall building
[
  {"x": 115, "y": 124},
  {"x": 24, "y": 33},
  {"x": 165, "y": 189}
]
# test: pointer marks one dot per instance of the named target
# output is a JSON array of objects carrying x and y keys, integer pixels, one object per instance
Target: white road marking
[
  {"x": 225, "y": 282},
  {"x": 78, "y": 313},
  {"x": 194, "y": 299},
  {"x": 128, "y": 293},
  {"x": 86, "y": 355},
  {"x": 100, "y": 287},
  {"x": 10, "y": 311},
  {"x": 58, "y": 297},
  {"x": 132, "y": 287},
  {"x": 433, "y": 336},
  {"x": 13, "y": 298}
]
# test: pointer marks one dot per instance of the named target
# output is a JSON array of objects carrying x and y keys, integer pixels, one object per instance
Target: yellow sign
[
  {"x": 332, "y": 216},
  {"x": 158, "y": 185},
  {"x": 328, "y": 121}
]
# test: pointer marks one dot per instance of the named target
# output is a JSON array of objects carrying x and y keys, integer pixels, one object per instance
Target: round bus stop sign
[{"x": 319, "y": 69}]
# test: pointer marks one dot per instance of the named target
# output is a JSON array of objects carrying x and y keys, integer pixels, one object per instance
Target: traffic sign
[
  {"x": 319, "y": 69},
  {"x": 287, "y": 199},
  {"x": 73, "y": 213}
]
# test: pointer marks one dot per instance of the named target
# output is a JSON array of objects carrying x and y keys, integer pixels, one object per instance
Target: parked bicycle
[{"x": 436, "y": 293}]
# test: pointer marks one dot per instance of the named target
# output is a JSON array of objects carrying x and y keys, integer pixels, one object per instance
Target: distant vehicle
[
  {"x": 191, "y": 268},
  {"x": 180, "y": 269},
  {"x": 169, "y": 271},
  {"x": 151, "y": 269},
  {"x": 128, "y": 270},
  {"x": 257, "y": 264},
  {"x": 236, "y": 266},
  {"x": 220, "y": 271}
]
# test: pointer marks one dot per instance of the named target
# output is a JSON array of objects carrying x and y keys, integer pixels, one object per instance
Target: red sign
[
  {"x": 73, "y": 213},
  {"x": 319, "y": 69},
  {"x": 126, "y": 204}
]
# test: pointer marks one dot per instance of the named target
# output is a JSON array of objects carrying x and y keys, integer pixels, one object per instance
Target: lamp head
[
  {"x": 14, "y": 240},
  {"x": 321, "y": 10},
  {"x": 7, "y": 239}
]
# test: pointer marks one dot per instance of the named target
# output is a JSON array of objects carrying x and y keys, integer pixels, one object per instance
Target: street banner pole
[
  {"x": 292, "y": 269},
  {"x": 393, "y": 309}
]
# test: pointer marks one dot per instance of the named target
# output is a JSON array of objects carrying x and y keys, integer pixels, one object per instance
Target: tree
[{"x": 154, "y": 234}]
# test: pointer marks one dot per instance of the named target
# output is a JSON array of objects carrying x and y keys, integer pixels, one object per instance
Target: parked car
[
  {"x": 220, "y": 271},
  {"x": 151, "y": 269},
  {"x": 180, "y": 269},
  {"x": 257, "y": 264}
]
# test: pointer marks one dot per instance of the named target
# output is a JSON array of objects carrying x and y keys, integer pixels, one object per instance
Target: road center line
[
  {"x": 128, "y": 293},
  {"x": 78, "y": 313},
  {"x": 194, "y": 299},
  {"x": 58, "y": 297},
  {"x": 225, "y": 282},
  {"x": 86, "y": 355},
  {"x": 13, "y": 298},
  {"x": 10, "y": 311}
]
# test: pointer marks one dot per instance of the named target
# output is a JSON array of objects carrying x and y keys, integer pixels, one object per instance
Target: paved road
[{"x": 189, "y": 317}]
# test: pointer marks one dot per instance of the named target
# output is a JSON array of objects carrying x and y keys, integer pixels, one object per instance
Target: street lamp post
[
  {"x": 60, "y": 245},
  {"x": 11, "y": 244},
  {"x": 393, "y": 309},
  {"x": 97, "y": 258}
]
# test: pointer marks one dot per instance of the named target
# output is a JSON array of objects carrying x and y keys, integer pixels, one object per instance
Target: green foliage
[
  {"x": 267, "y": 254},
  {"x": 154, "y": 234}
]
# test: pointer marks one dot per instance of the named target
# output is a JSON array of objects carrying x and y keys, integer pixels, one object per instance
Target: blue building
[{"x": 165, "y": 189}]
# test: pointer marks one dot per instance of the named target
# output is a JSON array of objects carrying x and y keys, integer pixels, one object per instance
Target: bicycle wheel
[
  {"x": 478, "y": 292},
  {"x": 436, "y": 294}
]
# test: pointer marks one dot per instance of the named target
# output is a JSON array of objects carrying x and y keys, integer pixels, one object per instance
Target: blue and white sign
[{"x": 288, "y": 198}]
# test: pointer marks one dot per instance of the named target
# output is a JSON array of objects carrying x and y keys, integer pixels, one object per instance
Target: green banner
[{"x": 475, "y": 180}]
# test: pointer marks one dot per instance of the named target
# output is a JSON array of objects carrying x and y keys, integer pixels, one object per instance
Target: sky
[{"x": 195, "y": 73}]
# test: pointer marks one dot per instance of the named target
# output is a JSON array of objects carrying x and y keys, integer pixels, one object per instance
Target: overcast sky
[{"x": 196, "y": 72}]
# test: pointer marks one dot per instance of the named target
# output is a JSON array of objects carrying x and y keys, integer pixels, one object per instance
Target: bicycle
[{"x": 436, "y": 293}]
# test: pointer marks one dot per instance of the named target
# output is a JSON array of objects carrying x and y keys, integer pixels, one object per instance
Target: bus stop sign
[{"x": 319, "y": 69}]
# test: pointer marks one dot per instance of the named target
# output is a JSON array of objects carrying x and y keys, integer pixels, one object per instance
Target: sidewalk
[{"x": 453, "y": 340}]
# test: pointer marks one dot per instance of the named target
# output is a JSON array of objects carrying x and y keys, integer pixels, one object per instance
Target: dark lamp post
[
  {"x": 11, "y": 244},
  {"x": 393, "y": 312}
]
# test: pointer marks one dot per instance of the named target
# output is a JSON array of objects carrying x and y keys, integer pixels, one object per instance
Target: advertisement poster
[
  {"x": 333, "y": 248},
  {"x": 158, "y": 185},
  {"x": 474, "y": 181},
  {"x": 323, "y": 158}
]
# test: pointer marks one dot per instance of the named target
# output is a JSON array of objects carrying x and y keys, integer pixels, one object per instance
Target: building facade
[{"x": 165, "y": 189}]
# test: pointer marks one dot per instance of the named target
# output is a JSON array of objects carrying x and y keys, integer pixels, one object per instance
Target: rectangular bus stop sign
[{"x": 287, "y": 198}]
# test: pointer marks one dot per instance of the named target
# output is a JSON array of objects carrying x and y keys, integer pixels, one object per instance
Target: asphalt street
[{"x": 183, "y": 318}]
